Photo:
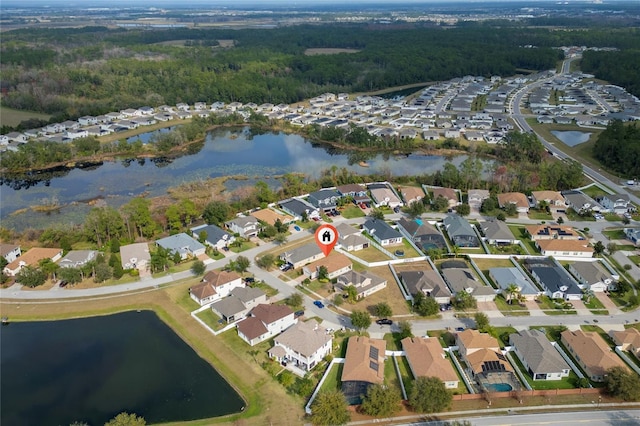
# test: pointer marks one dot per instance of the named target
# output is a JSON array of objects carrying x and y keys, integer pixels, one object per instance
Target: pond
[
  {"x": 571, "y": 138},
  {"x": 91, "y": 369},
  {"x": 225, "y": 152},
  {"x": 146, "y": 137}
]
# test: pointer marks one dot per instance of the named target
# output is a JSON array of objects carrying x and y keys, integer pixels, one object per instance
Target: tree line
[{"x": 618, "y": 149}]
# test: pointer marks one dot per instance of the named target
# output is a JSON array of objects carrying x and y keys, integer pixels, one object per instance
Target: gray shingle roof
[
  {"x": 214, "y": 233},
  {"x": 538, "y": 352},
  {"x": 505, "y": 276},
  {"x": 181, "y": 243},
  {"x": 556, "y": 279},
  {"x": 381, "y": 229},
  {"x": 497, "y": 230}
]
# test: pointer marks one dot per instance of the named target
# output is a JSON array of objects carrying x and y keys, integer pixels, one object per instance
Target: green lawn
[
  {"x": 552, "y": 308},
  {"x": 539, "y": 215},
  {"x": 332, "y": 381},
  {"x": 405, "y": 372},
  {"x": 612, "y": 217},
  {"x": 269, "y": 291},
  {"x": 635, "y": 259},
  {"x": 187, "y": 302},
  {"x": 352, "y": 212},
  {"x": 246, "y": 245},
  {"x": 573, "y": 216},
  {"x": 521, "y": 234},
  {"x": 13, "y": 117},
  {"x": 614, "y": 234},
  {"x": 508, "y": 249},
  {"x": 596, "y": 307},
  {"x": 593, "y": 191},
  {"x": 502, "y": 334},
  {"x": 390, "y": 376},
  {"x": 211, "y": 319},
  {"x": 565, "y": 383},
  {"x": 514, "y": 309}
]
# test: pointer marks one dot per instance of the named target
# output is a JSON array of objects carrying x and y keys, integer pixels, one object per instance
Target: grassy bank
[{"x": 13, "y": 117}]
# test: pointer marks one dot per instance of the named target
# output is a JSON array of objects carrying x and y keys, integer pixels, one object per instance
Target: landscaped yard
[
  {"x": 565, "y": 383},
  {"x": 245, "y": 245},
  {"x": 596, "y": 307},
  {"x": 508, "y": 249},
  {"x": 486, "y": 264},
  {"x": 521, "y": 234},
  {"x": 211, "y": 319},
  {"x": 593, "y": 191},
  {"x": 352, "y": 212},
  {"x": 390, "y": 375},
  {"x": 635, "y": 259},
  {"x": 372, "y": 254},
  {"x": 332, "y": 381},
  {"x": 513, "y": 309},
  {"x": 614, "y": 234},
  {"x": 553, "y": 308},
  {"x": 269, "y": 291},
  {"x": 536, "y": 214}
]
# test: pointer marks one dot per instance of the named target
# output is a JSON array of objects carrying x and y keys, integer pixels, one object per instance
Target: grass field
[
  {"x": 13, "y": 117},
  {"x": 352, "y": 212}
]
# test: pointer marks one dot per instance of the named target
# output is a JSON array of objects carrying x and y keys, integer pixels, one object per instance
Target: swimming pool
[{"x": 499, "y": 387}]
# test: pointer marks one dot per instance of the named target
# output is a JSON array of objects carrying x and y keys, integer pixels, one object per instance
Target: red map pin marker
[{"x": 326, "y": 238}]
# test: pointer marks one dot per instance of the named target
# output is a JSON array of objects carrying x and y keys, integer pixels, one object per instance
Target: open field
[{"x": 13, "y": 117}]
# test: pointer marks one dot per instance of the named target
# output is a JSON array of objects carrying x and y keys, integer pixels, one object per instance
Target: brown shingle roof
[
  {"x": 270, "y": 313},
  {"x": 473, "y": 339},
  {"x": 219, "y": 278},
  {"x": 448, "y": 193},
  {"x": 517, "y": 198},
  {"x": 411, "y": 193},
  {"x": 251, "y": 327},
  {"x": 564, "y": 245},
  {"x": 33, "y": 256},
  {"x": 202, "y": 290},
  {"x": 555, "y": 231},
  {"x": 426, "y": 358},
  {"x": 479, "y": 358},
  {"x": 549, "y": 196},
  {"x": 594, "y": 353},
  {"x": 361, "y": 363},
  {"x": 334, "y": 262},
  {"x": 269, "y": 216}
]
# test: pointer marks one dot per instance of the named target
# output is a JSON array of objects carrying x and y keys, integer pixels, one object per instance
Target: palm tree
[
  {"x": 512, "y": 290},
  {"x": 588, "y": 294}
]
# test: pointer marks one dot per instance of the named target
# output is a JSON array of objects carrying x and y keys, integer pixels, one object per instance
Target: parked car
[
  {"x": 384, "y": 321},
  {"x": 459, "y": 328},
  {"x": 319, "y": 304},
  {"x": 297, "y": 228},
  {"x": 298, "y": 314},
  {"x": 249, "y": 280},
  {"x": 286, "y": 267}
]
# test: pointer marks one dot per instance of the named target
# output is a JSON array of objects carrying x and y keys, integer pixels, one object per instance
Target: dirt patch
[
  {"x": 328, "y": 51},
  {"x": 226, "y": 43}
]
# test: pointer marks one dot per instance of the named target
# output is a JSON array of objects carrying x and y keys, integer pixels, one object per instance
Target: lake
[
  {"x": 571, "y": 138},
  {"x": 225, "y": 152},
  {"x": 91, "y": 369}
]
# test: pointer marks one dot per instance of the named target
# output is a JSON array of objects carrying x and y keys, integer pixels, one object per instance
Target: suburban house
[
  {"x": 270, "y": 217},
  {"x": 214, "y": 286},
  {"x": 31, "y": 258},
  {"x": 216, "y": 237},
  {"x": 183, "y": 244},
  {"x": 383, "y": 195},
  {"x": 299, "y": 209},
  {"x": 305, "y": 344},
  {"x": 135, "y": 256},
  {"x": 448, "y": 194},
  {"x": 428, "y": 282},
  {"x": 517, "y": 198},
  {"x": 572, "y": 248},
  {"x": 580, "y": 202},
  {"x": 592, "y": 353},
  {"x": 426, "y": 358},
  {"x": 302, "y": 255},
  {"x": 336, "y": 264},
  {"x": 555, "y": 280},
  {"x": 382, "y": 232},
  {"x": 423, "y": 234},
  {"x": 553, "y": 199},
  {"x": 497, "y": 232},
  {"x": 10, "y": 252},
  {"x": 411, "y": 194},
  {"x": 481, "y": 352},
  {"x": 365, "y": 283},
  {"x": 239, "y": 302},
  {"x": 538, "y": 355},
  {"x": 245, "y": 226},
  {"x": 475, "y": 197},
  {"x": 460, "y": 231},
  {"x": 552, "y": 232},
  {"x": 504, "y": 277},
  {"x": 616, "y": 203},
  {"x": 357, "y": 192},
  {"x": 264, "y": 322},
  {"x": 593, "y": 276},
  {"x": 326, "y": 199},
  {"x": 363, "y": 366},
  {"x": 350, "y": 238},
  {"x": 628, "y": 340},
  {"x": 77, "y": 258},
  {"x": 633, "y": 235},
  {"x": 460, "y": 278}
]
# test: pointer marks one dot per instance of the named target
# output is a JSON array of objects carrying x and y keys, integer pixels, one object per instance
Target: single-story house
[
  {"x": 580, "y": 202},
  {"x": 497, "y": 232},
  {"x": 556, "y": 282},
  {"x": 245, "y": 226},
  {"x": 382, "y": 232},
  {"x": 77, "y": 258},
  {"x": 463, "y": 279},
  {"x": 270, "y": 217},
  {"x": 423, "y": 234},
  {"x": 426, "y": 358},
  {"x": 553, "y": 199},
  {"x": 476, "y": 197},
  {"x": 428, "y": 282},
  {"x": 481, "y": 352},
  {"x": 305, "y": 344},
  {"x": 216, "y": 237},
  {"x": 460, "y": 231},
  {"x": 135, "y": 256},
  {"x": 593, "y": 276},
  {"x": 552, "y": 232},
  {"x": 350, "y": 238},
  {"x": 325, "y": 199},
  {"x": 572, "y": 248},
  {"x": 365, "y": 283},
  {"x": 299, "y": 209},
  {"x": 352, "y": 190},
  {"x": 31, "y": 258},
  {"x": 628, "y": 340},
  {"x": 363, "y": 366},
  {"x": 384, "y": 196},
  {"x": 518, "y": 198},
  {"x": 239, "y": 302},
  {"x": 539, "y": 357},
  {"x": 264, "y": 322},
  {"x": 448, "y": 194},
  {"x": 411, "y": 194},
  {"x": 336, "y": 264},
  {"x": 633, "y": 235},
  {"x": 214, "y": 286},
  {"x": 592, "y": 353},
  {"x": 183, "y": 244},
  {"x": 302, "y": 255},
  {"x": 504, "y": 277}
]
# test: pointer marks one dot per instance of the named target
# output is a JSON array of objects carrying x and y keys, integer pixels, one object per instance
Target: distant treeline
[
  {"x": 618, "y": 148},
  {"x": 93, "y": 70}
]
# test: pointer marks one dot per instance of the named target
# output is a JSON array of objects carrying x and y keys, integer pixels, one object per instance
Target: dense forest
[
  {"x": 93, "y": 70},
  {"x": 618, "y": 148},
  {"x": 624, "y": 73}
]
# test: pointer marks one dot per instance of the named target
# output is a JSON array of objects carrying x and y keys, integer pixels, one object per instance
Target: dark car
[
  {"x": 384, "y": 321},
  {"x": 249, "y": 280},
  {"x": 459, "y": 328},
  {"x": 319, "y": 304},
  {"x": 298, "y": 314}
]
